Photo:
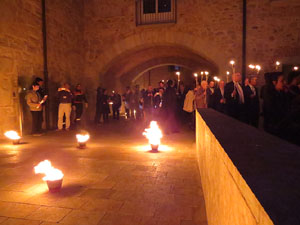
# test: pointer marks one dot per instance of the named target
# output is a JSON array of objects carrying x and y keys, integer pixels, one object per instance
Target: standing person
[
  {"x": 116, "y": 99},
  {"x": 219, "y": 98},
  {"x": 189, "y": 106},
  {"x": 157, "y": 102},
  {"x": 135, "y": 103},
  {"x": 33, "y": 99},
  {"x": 180, "y": 102},
  {"x": 98, "y": 105},
  {"x": 148, "y": 103},
  {"x": 105, "y": 106},
  {"x": 234, "y": 95},
  {"x": 127, "y": 100},
  {"x": 65, "y": 106},
  {"x": 169, "y": 106},
  {"x": 275, "y": 103},
  {"x": 41, "y": 90},
  {"x": 79, "y": 102},
  {"x": 209, "y": 95},
  {"x": 200, "y": 95},
  {"x": 252, "y": 102}
]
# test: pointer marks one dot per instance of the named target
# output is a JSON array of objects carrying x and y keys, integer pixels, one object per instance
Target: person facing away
[
  {"x": 275, "y": 103},
  {"x": 117, "y": 102},
  {"x": 169, "y": 107},
  {"x": 235, "y": 100},
  {"x": 252, "y": 102},
  {"x": 105, "y": 106},
  {"x": 33, "y": 100},
  {"x": 79, "y": 101},
  {"x": 127, "y": 100},
  {"x": 98, "y": 105},
  {"x": 219, "y": 98},
  {"x": 148, "y": 103},
  {"x": 209, "y": 95},
  {"x": 65, "y": 106},
  {"x": 200, "y": 95}
]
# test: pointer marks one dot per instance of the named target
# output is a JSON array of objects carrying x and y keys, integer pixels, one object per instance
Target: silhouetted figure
[
  {"x": 98, "y": 105},
  {"x": 169, "y": 107},
  {"x": 117, "y": 101},
  {"x": 209, "y": 94},
  {"x": 219, "y": 98},
  {"x": 252, "y": 102},
  {"x": 275, "y": 104},
  {"x": 148, "y": 104},
  {"x": 79, "y": 101}
]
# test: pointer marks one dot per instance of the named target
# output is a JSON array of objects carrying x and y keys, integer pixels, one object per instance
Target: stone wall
[
  {"x": 65, "y": 52},
  {"x": 20, "y": 57},
  {"x": 228, "y": 198},
  {"x": 211, "y": 29},
  {"x": 21, "y": 53}
]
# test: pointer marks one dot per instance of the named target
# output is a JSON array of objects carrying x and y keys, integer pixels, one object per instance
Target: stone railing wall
[{"x": 246, "y": 174}]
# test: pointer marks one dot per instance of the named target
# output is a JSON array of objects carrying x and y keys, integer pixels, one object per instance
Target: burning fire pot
[
  {"x": 153, "y": 134},
  {"x": 14, "y": 136},
  {"x": 82, "y": 140},
  {"x": 53, "y": 176}
]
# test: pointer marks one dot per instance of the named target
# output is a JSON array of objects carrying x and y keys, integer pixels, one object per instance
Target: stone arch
[
  {"x": 127, "y": 66},
  {"x": 113, "y": 57}
]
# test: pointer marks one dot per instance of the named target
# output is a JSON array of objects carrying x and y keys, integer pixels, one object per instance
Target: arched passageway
[{"x": 127, "y": 67}]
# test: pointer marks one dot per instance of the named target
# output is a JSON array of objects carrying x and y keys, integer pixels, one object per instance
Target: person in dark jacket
[
  {"x": 117, "y": 102},
  {"x": 79, "y": 101},
  {"x": 98, "y": 105},
  {"x": 219, "y": 98},
  {"x": 148, "y": 103},
  {"x": 105, "y": 106},
  {"x": 169, "y": 107},
  {"x": 235, "y": 100},
  {"x": 275, "y": 104},
  {"x": 252, "y": 102},
  {"x": 209, "y": 94}
]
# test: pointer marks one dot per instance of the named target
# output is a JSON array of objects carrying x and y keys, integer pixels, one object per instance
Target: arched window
[{"x": 155, "y": 11}]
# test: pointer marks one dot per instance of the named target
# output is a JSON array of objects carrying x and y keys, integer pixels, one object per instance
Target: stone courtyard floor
[{"x": 114, "y": 181}]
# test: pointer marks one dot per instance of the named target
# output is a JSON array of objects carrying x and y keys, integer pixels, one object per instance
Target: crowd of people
[{"x": 172, "y": 104}]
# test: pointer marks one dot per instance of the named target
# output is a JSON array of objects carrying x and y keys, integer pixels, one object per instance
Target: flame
[
  {"x": 153, "y": 134},
  {"x": 13, "y": 135},
  {"x": 51, "y": 173},
  {"x": 81, "y": 138}
]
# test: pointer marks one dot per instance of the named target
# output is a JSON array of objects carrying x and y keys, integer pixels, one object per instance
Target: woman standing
[{"x": 34, "y": 101}]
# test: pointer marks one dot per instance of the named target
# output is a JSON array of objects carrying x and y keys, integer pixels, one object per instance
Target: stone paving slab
[{"x": 114, "y": 181}]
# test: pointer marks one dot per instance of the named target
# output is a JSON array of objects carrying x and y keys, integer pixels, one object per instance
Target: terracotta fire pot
[
  {"x": 154, "y": 148},
  {"x": 54, "y": 185}
]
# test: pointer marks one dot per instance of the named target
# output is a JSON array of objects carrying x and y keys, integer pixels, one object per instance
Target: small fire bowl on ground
[
  {"x": 54, "y": 185},
  {"x": 154, "y": 148},
  {"x": 82, "y": 145},
  {"x": 16, "y": 141}
]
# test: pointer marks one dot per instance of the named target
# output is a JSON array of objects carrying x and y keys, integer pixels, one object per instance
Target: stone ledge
[{"x": 248, "y": 176}]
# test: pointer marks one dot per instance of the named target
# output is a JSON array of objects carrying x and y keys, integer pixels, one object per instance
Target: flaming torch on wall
[
  {"x": 153, "y": 134},
  {"x": 14, "y": 136},
  {"x": 53, "y": 176}
]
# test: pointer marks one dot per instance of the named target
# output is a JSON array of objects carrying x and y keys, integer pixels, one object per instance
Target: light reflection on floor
[{"x": 147, "y": 148}]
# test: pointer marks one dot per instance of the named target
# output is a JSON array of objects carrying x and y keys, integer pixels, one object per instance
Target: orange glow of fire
[
  {"x": 50, "y": 172},
  {"x": 153, "y": 134},
  {"x": 13, "y": 135},
  {"x": 81, "y": 138}
]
